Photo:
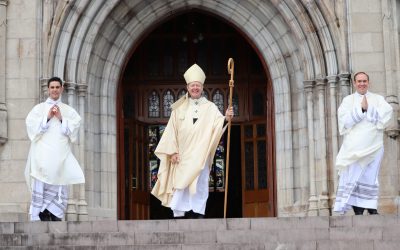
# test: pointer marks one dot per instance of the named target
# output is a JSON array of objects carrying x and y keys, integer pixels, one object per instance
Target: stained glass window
[
  {"x": 154, "y": 105},
  {"x": 182, "y": 93},
  {"x": 217, "y": 173},
  {"x": 218, "y": 99},
  {"x": 168, "y": 99},
  {"x": 235, "y": 103},
  {"x": 154, "y": 135},
  {"x": 205, "y": 94}
]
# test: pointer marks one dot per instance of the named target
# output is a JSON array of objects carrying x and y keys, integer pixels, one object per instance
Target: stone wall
[{"x": 310, "y": 48}]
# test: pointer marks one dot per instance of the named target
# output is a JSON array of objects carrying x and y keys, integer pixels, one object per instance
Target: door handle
[{"x": 134, "y": 183}]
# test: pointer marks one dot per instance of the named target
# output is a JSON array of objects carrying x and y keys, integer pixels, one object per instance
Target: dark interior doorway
[
  {"x": 153, "y": 80},
  {"x": 215, "y": 203}
]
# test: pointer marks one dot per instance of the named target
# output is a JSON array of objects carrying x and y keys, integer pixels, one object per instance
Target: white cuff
[
  {"x": 64, "y": 127},
  {"x": 44, "y": 125}
]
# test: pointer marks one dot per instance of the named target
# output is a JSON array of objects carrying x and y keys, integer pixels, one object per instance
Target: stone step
[
  {"x": 309, "y": 245},
  {"x": 344, "y": 232}
]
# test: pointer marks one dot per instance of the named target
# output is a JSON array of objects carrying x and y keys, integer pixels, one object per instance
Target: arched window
[
  {"x": 168, "y": 99},
  {"x": 182, "y": 93},
  {"x": 154, "y": 104},
  {"x": 205, "y": 94},
  {"x": 235, "y": 103},
  {"x": 218, "y": 99}
]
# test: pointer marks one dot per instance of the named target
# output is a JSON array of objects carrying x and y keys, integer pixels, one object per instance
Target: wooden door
[
  {"x": 136, "y": 171},
  {"x": 257, "y": 174},
  {"x": 153, "y": 79}
]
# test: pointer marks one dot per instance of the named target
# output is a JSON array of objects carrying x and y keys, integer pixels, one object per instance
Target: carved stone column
[
  {"x": 313, "y": 200},
  {"x": 43, "y": 89},
  {"x": 71, "y": 214},
  {"x": 345, "y": 85},
  {"x": 323, "y": 197},
  {"x": 389, "y": 174},
  {"x": 70, "y": 88},
  {"x": 332, "y": 82},
  {"x": 3, "y": 107},
  {"x": 344, "y": 90},
  {"x": 82, "y": 204}
]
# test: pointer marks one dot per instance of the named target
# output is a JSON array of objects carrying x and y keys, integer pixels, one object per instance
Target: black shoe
[
  {"x": 179, "y": 217},
  {"x": 198, "y": 216},
  {"x": 45, "y": 215},
  {"x": 358, "y": 210},
  {"x": 372, "y": 211},
  {"x": 193, "y": 215},
  {"x": 54, "y": 218}
]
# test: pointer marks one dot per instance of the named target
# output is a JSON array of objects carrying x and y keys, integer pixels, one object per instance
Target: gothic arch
[{"x": 90, "y": 41}]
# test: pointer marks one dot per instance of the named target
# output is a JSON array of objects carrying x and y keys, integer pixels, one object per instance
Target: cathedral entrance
[{"x": 153, "y": 80}]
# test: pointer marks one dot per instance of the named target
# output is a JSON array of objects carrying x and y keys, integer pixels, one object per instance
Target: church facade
[{"x": 122, "y": 61}]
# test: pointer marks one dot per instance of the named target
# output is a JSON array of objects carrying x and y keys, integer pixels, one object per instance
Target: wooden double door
[
  {"x": 153, "y": 80},
  {"x": 251, "y": 180}
]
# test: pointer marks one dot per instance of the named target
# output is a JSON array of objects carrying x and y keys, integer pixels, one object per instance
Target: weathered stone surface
[{"x": 90, "y": 44}]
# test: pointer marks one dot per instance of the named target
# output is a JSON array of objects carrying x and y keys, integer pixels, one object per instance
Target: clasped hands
[
  {"x": 371, "y": 117},
  {"x": 54, "y": 111},
  {"x": 364, "y": 104}
]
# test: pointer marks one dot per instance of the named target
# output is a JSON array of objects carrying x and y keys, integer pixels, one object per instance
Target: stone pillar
[
  {"x": 70, "y": 88},
  {"x": 344, "y": 84},
  {"x": 71, "y": 214},
  {"x": 332, "y": 82},
  {"x": 82, "y": 204},
  {"x": 391, "y": 49},
  {"x": 3, "y": 107},
  {"x": 389, "y": 173},
  {"x": 313, "y": 200},
  {"x": 44, "y": 89},
  {"x": 323, "y": 197}
]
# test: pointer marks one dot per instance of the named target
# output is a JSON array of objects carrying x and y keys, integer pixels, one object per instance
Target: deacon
[
  {"x": 52, "y": 126},
  {"x": 362, "y": 118},
  {"x": 186, "y": 149}
]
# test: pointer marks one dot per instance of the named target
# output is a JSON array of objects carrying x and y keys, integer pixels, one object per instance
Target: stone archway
[{"x": 88, "y": 46}]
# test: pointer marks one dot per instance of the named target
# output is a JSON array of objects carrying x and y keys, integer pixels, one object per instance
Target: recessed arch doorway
[{"x": 153, "y": 79}]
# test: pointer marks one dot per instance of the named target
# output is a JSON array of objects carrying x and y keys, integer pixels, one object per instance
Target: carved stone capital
[
  {"x": 344, "y": 76},
  {"x": 82, "y": 89},
  {"x": 344, "y": 79},
  {"x": 70, "y": 87},
  {"x": 43, "y": 86},
  {"x": 3, "y": 124},
  {"x": 4, "y": 2},
  {"x": 320, "y": 83},
  {"x": 332, "y": 80},
  {"x": 308, "y": 85},
  {"x": 392, "y": 133}
]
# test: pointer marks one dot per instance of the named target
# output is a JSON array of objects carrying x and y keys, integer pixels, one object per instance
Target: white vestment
[
  {"x": 182, "y": 201},
  {"x": 183, "y": 186},
  {"x": 50, "y": 158},
  {"x": 51, "y": 197},
  {"x": 360, "y": 155}
]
